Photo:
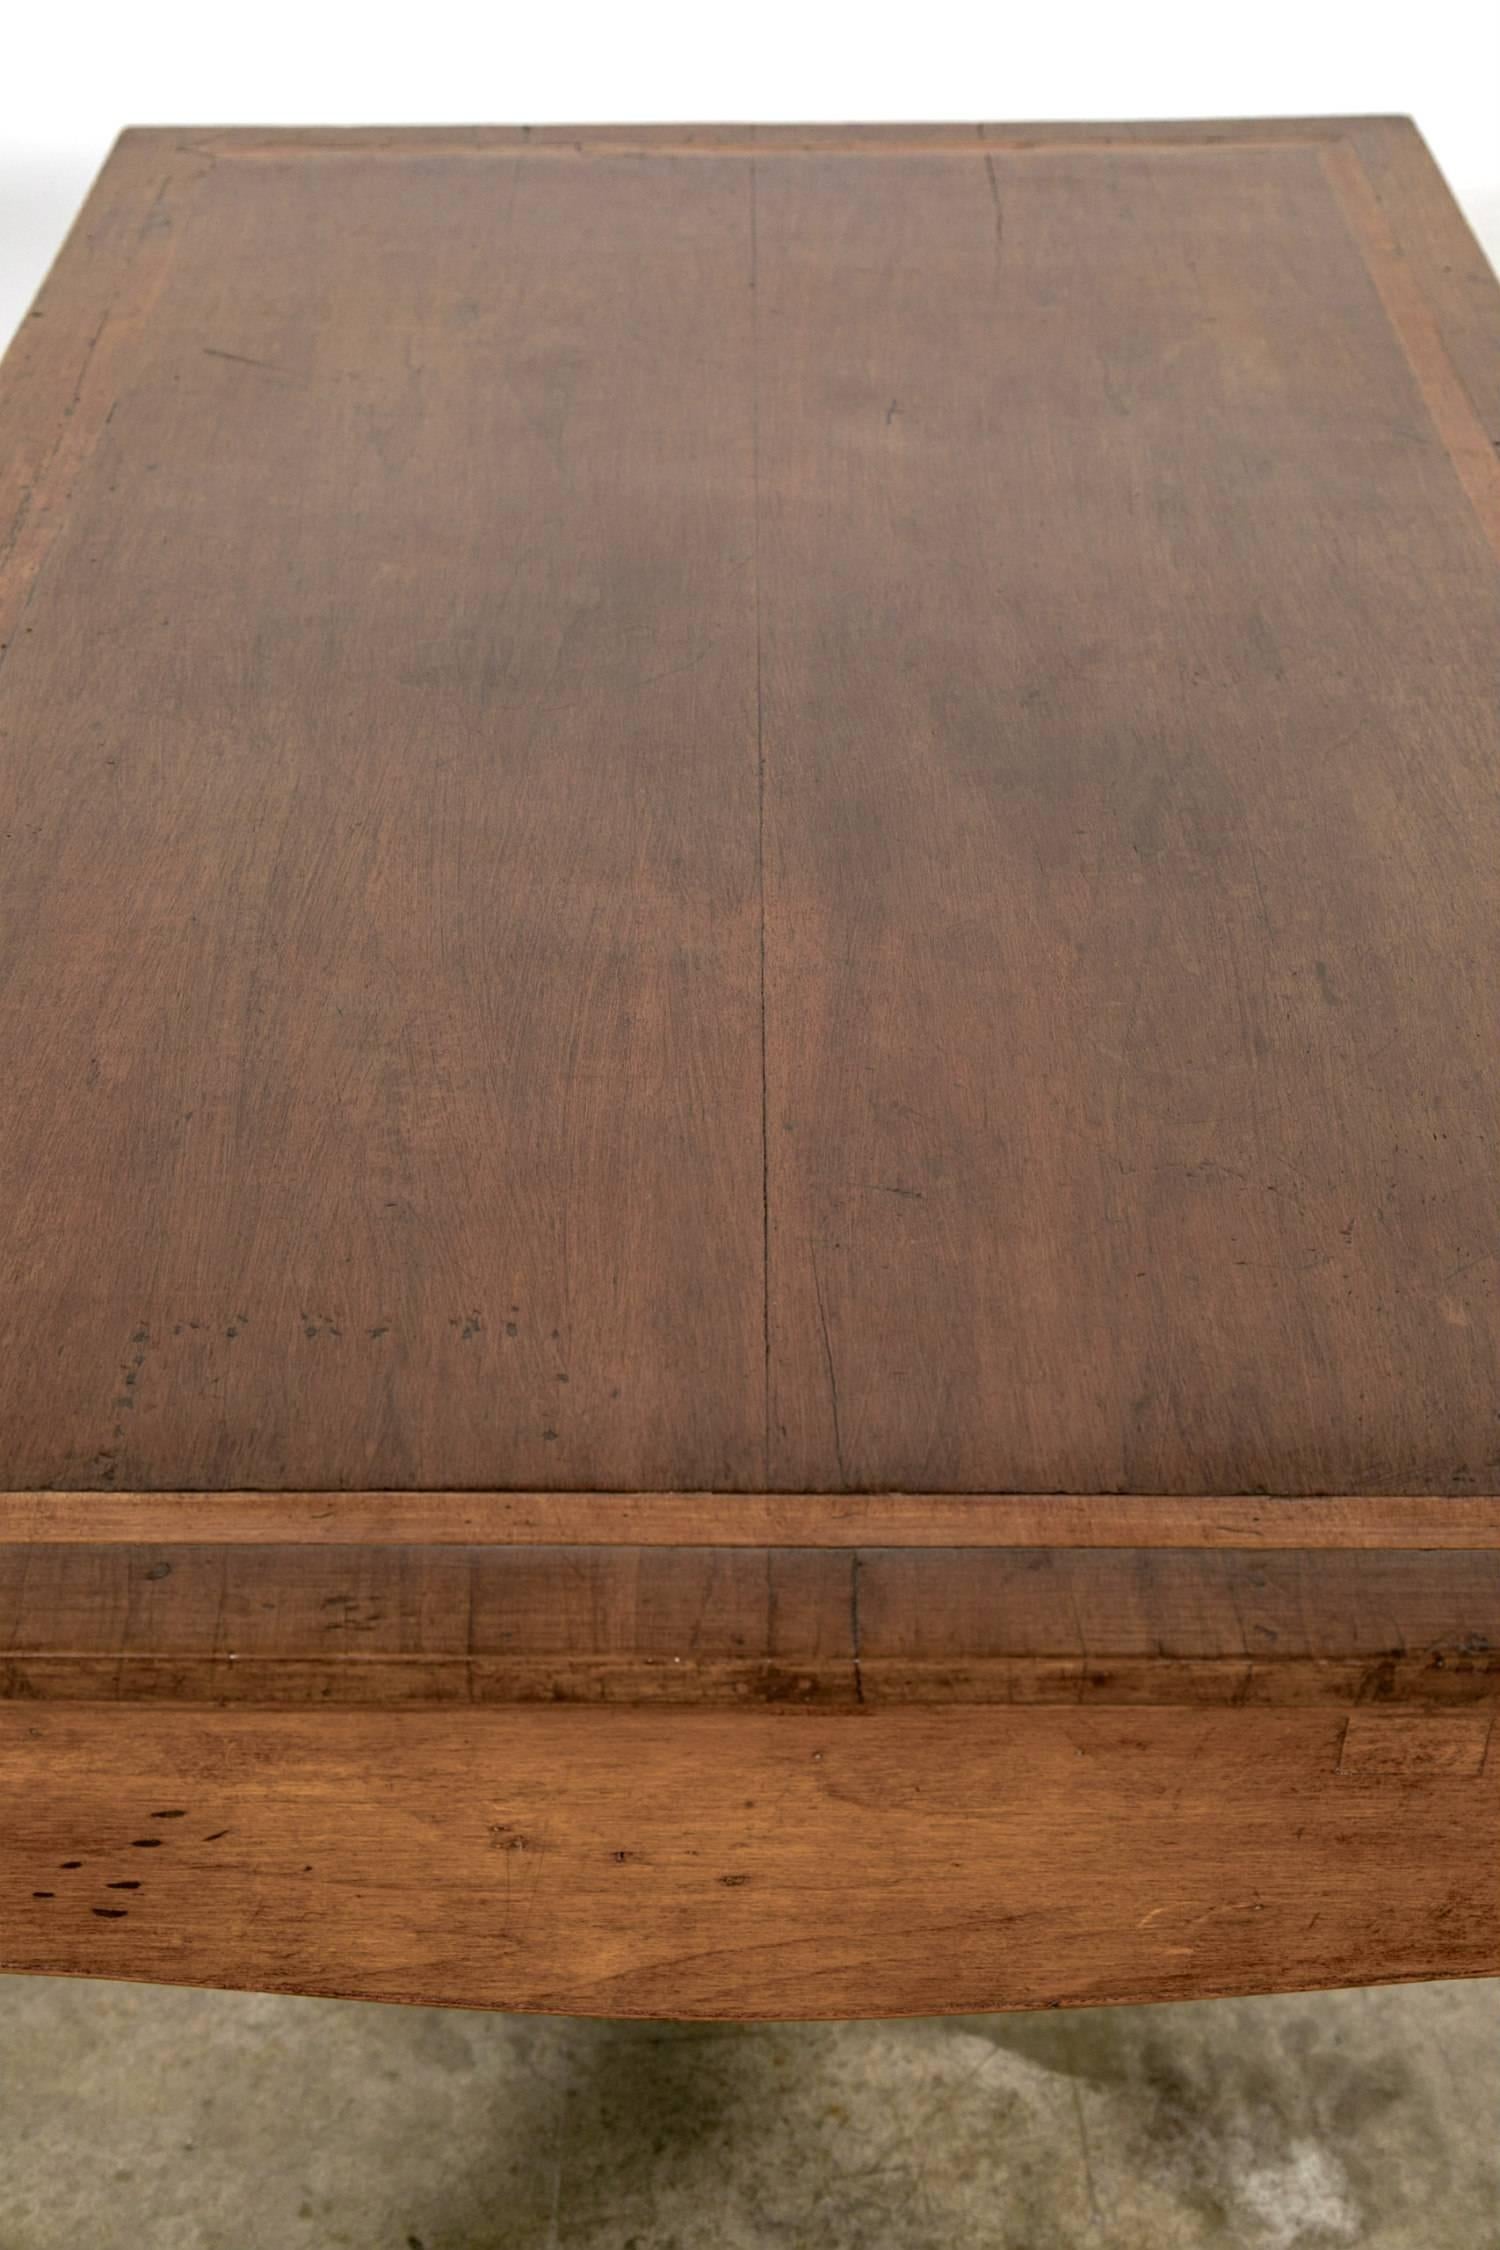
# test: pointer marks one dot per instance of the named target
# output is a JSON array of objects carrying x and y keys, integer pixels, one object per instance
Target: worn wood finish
[
  {"x": 953, "y": 612},
  {"x": 327, "y": 1624},
  {"x": 381, "y": 735},
  {"x": 1109, "y": 716},
  {"x": 738, "y": 1864},
  {"x": 747, "y": 919}
]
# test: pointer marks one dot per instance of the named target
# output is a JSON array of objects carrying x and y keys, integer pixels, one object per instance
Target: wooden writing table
[{"x": 749, "y": 1085}]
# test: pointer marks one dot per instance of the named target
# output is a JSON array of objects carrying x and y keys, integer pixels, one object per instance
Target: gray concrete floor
[{"x": 201, "y": 2121}]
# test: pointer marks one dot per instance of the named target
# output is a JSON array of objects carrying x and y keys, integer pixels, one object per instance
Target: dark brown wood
[
  {"x": 362, "y": 1624},
  {"x": 749, "y": 1863},
  {"x": 991, "y": 662},
  {"x": 381, "y": 778},
  {"x": 746, "y": 954},
  {"x": 1131, "y": 1111}
]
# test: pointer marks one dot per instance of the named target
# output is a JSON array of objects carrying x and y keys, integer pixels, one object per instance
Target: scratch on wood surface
[
  {"x": 248, "y": 359},
  {"x": 856, "y": 1562},
  {"x": 833, "y": 1380},
  {"x": 994, "y": 188}
]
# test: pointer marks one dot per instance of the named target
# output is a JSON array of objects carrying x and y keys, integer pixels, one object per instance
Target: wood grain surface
[
  {"x": 1132, "y": 1117},
  {"x": 748, "y": 1083},
  {"x": 380, "y": 774},
  {"x": 741, "y": 1864},
  {"x": 215, "y": 1623},
  {"x": 1398, "y": 1521},
  {"x": 804, "y": 811}
]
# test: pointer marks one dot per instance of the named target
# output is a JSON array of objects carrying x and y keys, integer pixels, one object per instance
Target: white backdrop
[{"x": 71, "y": 75}]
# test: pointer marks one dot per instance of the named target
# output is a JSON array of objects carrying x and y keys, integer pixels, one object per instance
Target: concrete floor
[{"x": 200, "y": 2121}]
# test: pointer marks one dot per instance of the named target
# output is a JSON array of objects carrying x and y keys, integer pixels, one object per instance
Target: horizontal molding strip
[
  {"x": 754, "y": 1519},
  {"x": 444, "y": 1624}
]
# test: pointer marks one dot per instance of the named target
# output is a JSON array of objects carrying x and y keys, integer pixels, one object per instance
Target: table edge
[{"x": 755, "y": 1519}]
